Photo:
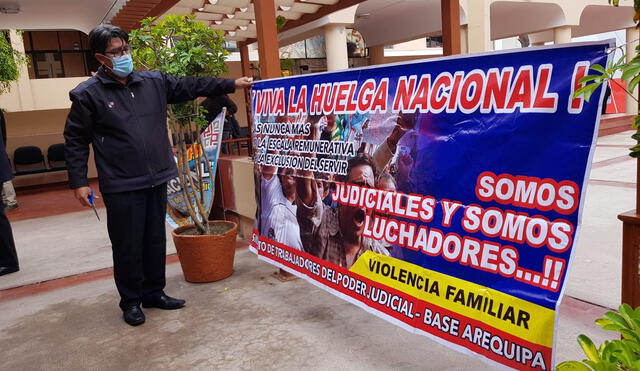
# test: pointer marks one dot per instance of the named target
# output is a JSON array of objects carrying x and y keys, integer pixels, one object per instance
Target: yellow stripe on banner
[{"x": 505, "y": 312}]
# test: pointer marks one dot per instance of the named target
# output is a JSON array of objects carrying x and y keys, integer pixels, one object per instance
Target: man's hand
[
  {"x": 244, "y": 82},
  {"x": 82, "y": 194}
]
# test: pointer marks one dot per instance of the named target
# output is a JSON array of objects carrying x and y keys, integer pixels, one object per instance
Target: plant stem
[{"x": 183, "y": 170}]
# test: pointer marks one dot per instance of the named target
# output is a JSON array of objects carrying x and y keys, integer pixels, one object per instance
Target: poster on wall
[
  {"x": 441, "y": 195},
  {"x": 211, "y": 139}
]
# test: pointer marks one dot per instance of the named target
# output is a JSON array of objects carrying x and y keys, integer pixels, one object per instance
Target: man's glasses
[{"x": 120, "y": 51}]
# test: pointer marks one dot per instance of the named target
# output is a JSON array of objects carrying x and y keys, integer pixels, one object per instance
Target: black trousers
[
  {"x": 8, "y": 255},
  {"x": 136, "y": 224}
]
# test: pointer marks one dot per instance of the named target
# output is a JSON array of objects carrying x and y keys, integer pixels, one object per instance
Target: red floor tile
[{"x": 47, "y": 200}]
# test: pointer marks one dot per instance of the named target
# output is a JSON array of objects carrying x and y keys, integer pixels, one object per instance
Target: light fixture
[
  {"x": 243, "y": 28},
  {"x": 213, "y": 2},
  {"x": 217, "y": 22},
  {"x": 200, "y": 9},
  {"x": 230, "y": 16},
  {"x": 285, "y": 8},
  {"x": 232, "y": 33},
  {"x": 9, "y": 8},
  {"x": 244, "y": 10},
  {"x": 253, "y": 21}
]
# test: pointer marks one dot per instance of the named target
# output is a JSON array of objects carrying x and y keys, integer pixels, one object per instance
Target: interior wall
[{"x": 40, "y": 128}]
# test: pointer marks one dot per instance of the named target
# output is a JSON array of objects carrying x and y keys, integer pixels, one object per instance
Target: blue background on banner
[{"x": 454, "y": 148}]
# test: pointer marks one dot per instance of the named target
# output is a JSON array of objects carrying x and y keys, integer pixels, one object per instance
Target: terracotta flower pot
[{"x": 206, "y": 258}]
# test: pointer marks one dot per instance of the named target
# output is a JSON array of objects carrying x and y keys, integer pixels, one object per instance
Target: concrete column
[
  {"x": 450, "y": 13},
  {"x": 632, "y": 34},
  {"x": 479, "y": 26},
  {"x": 268, "y": 47},
  {"x": 376, "y": 54},
  {"x": 464, "y": 40},
  {"x": 335, "y": 39},
  {"x": 23, "y": 84},
  {"x": 562, "y": 35}
]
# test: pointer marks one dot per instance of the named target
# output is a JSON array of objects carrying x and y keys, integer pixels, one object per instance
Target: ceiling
[
  {"x": 381, "y": 22},
  {"x": 55, "y": 15},
  {"x": 237, "y": 18}
]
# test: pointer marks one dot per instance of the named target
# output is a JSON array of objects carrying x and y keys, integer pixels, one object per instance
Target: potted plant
[
  {"x": 181, "y": 46},
  {"x": 617, "y": 354}
]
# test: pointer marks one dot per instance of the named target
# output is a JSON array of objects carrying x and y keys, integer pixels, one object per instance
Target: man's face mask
[{"x": 123, "y": 65}]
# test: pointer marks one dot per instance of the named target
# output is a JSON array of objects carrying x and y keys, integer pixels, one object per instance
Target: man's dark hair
[
  {"x": 358, "y": 160},
  {"x": 100, "y": 36}
]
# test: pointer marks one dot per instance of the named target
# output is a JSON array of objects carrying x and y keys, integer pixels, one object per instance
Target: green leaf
[
  {"x": 630, "y": 71},
  {"x": 573, "y": 365},
  {"x": 588, "y": 347},
  {"x": 617, "y": 319},
  {"x": 599, "y": 68},
  {"x": 633, "y": 83},
  {"x": 590, "y": 78}
]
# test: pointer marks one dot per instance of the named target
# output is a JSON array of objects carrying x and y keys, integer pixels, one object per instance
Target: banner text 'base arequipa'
[{"x": 443, "y": 195}]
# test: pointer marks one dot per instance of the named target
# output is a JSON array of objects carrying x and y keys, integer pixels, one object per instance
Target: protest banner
[
  {"x": 211, "y": 139},
  {"x": 442, "y": 195}
]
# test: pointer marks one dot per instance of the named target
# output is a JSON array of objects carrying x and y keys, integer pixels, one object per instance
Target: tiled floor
[{"x": 48, "y": 200}]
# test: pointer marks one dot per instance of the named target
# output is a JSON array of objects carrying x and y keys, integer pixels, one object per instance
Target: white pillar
[
  {"x": 376, "y": 54},
  {"x": 632, "y": 42},
  {"x": 478, "y": 26},
  {"x": 335, "y": 39},
  {"x": 23, "y": 84},
  {"x": 464, "y": 40},
  {"x": 562, "y": 35}
]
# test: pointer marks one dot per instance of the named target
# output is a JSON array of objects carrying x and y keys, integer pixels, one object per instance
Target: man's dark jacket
[{"x": 127, "y": 126}]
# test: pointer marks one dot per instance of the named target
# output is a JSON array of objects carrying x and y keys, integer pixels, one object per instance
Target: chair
[
  {"x": 55, "y": 156},
  {"x": 29, "y": 160}
]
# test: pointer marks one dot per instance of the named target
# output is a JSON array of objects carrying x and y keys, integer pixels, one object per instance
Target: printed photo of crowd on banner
[{"x": 296, "y": 207}]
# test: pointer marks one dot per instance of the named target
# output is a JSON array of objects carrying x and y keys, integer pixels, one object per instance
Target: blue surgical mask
[{"x": 123, "y": 65}]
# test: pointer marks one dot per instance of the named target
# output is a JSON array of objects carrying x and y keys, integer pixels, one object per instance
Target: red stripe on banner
[{"x": 453, "y": 327}]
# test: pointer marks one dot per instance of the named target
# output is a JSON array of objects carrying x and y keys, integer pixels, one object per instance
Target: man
[
  {"x": 8, "y": 193},
  {"x": 335, "y": 235},
  {"x": 214, "y": 105},
  {"x": 281, "y": 224},
  {"x": 8, "y": 256},
  {"x": 122, "y": 113}
]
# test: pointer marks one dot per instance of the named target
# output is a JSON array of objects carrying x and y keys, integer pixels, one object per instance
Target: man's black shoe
[
  {"x": 7, "y": 270},
  {"x": 163, "y": 302},
  {"x": 133, "y": 315}
]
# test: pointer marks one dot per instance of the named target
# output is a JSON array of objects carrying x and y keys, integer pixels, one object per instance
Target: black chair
[
  {"x": 55, "y": 156},
  {"x": 244, "y": 132},
  {"x": 29, "y": 160}
]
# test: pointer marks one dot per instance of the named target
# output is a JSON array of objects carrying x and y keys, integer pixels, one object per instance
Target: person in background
[
  {"x": 122, "y": 113},
  {"x": 8, "y": 255},
  {"x": 8, "y": 192},
  {"x": 214, "y": 105}
]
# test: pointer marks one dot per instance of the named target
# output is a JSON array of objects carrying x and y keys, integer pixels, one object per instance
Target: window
[
  {"x": 56, "y": 54},
  {"x": 434, "y": 42}
]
